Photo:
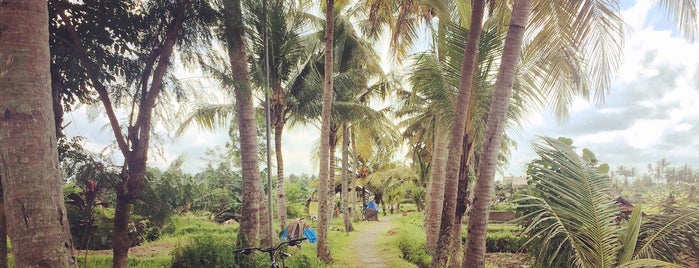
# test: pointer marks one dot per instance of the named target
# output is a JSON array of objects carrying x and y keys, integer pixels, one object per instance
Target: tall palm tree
[
  {"x": 31, "y": 181},
  {"x": 475, "y": 246},
  {"x": 324, "y": 186},
  {"x": 234, "y": 36},
  {"x": 345, "y": 179},
  {"x": 287, "y": 49},
  {"x": 571, "y": 219}
]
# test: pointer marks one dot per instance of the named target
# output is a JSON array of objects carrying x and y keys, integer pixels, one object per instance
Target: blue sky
[{"x": 651, "y": 112}]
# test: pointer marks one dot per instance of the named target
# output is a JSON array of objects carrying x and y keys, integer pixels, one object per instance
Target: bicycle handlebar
[{"x": 247, "y": 251}]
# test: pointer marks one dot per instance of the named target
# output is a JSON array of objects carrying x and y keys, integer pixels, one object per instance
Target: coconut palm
[
  {"x": 388, "y": 180},
  {"x": 572, "y": 220},
  {"x": 234, "y": 37},
  {"x": 497, "y": 117},
  {"x": 324, "y": 208},
  {"x": 429, "y": 109},
  {"x": 36, "y": 214},
  {"x": 286, "y": 49}
]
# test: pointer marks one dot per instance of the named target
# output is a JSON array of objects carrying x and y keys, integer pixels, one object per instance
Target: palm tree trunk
[
  {"x": 331, "y": 171},
  {"x": 3, "y": 235},
  {"x": 266, "y": 232},
  {"x": 29, "y": 174},
  {"x": 355, "y": 177},
  {"x": 323, "y": 249},
  {"x": 345, "y": 178},
  {"x": 281, "y": 195},
  {"x": 433, "y": 214},
  {"x": 252, "y": 181},
  {"x": 497, "y": 116},
  {"x": 468, "y": 67}
]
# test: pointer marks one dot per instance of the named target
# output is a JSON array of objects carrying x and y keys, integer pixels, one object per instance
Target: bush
[
  {"x": 205, "y": 251},
  {"x": 503, "y": 242},
  {"x": 295, "y": 210},
  {"x": 298, "y": 260}
]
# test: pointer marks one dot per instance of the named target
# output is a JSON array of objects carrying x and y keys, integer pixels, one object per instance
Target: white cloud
[{"x": 652, "y": 106}]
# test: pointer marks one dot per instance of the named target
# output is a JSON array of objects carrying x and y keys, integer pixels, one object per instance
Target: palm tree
[
  {"x": 234, "y": 36},
  {"x": 287, "y": 49},
  {"x": 490, "y": 148},
  {"x": 387, "y": 181},
  {"x": 324, "y": 186},
  {"x": 571, "y": 219},
  {"x": 31, "y": 181},
  {"x": 345, "y": 179}
]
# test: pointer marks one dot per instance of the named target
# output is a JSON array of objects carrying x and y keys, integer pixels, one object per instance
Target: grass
[
  {"x": 341, "y": 246},
  {"x": 405, "y": 237}
]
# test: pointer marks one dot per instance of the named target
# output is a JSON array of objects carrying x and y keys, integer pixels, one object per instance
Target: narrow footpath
[{"x": 366, "y": 245}]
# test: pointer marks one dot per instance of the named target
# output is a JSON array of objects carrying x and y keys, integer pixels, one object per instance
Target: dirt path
[{"x": 365, "y": 245}]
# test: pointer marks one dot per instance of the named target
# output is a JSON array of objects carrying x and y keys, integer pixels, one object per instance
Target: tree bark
[
  {"x": 462, "y": 107},
  {"x": 323, "y": 249},
  {"x": 435, "y": 198},
  {"x": 281, "y": 195},
  {"x": 474, "y": 254},
  {"x": 355, "y": 177},
  {"x": 345, "y": 179},
  {"x": 120, "y": 231},
  {"x": 37, "y": 224},
  {"x": 3, "y": 233},
  {"x": 252, "y": 181}
]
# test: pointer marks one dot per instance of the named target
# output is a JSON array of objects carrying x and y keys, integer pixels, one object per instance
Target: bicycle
[{"x": 272, "y": 251}]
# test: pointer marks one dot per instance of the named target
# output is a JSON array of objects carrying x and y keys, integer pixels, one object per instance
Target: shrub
[
  {"x": 296, "y": 210},
  {"x": 503, "y": 242},
  {"x": 205, "y": 251},
  {"x": 297, "y": 260}
]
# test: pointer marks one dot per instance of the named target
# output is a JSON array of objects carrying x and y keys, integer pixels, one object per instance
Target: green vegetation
[
  {"x": 411, "y": 240},
  {"x": 572, "y": 221},
  {"x": 105, "y": 261}
]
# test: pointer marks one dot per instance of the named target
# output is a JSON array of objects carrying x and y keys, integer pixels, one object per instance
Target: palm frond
[
  {"x": 630, "y": 235},
  {"x": 208, "y": 116},
  {"x": 670, "y": 235},
  {"x": 684, "y": 13},
  {"x": 572, "y": 210}
]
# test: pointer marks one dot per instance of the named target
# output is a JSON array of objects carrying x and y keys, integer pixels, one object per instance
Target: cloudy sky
[
  {"x": 652, "y": 109},
  {"x": 651, "y": 112}
]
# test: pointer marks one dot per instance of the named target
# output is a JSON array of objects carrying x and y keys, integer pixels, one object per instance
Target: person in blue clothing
[{"x": 299, "y": 229}]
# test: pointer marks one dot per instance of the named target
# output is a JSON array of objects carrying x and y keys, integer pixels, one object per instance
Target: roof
[{"x": 624, "y": 205}]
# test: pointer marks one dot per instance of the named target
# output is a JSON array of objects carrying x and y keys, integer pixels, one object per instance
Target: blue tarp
[
  {"x": 372, "y": 205},
  {"x": 308, "y": 232}
]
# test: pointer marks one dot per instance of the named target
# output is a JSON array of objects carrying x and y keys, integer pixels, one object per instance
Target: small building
[
  {"x": 517, "y": 182},
  {"x": 625, "y": 208}
]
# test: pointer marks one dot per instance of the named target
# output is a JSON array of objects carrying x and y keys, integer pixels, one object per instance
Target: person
[{"x": 299, "y": 229}]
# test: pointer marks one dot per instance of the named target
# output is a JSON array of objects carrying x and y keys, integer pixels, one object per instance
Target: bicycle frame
[{"x": 272, "y": 251}]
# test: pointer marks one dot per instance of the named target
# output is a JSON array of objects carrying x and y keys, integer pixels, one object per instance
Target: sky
[{"x": 650, "y": 113}]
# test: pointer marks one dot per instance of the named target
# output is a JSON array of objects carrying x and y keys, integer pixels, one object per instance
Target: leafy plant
[
  {"x": 570, "y": 217},
  {"x": 205, "y": 251}
]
